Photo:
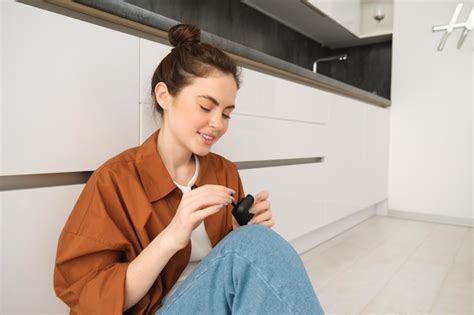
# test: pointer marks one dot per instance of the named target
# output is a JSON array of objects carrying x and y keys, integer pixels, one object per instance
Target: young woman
[{"x": 152, "y": 230}]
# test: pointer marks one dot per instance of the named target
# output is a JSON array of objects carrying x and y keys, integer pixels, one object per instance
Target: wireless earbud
[{"x": 241, "y": 210}]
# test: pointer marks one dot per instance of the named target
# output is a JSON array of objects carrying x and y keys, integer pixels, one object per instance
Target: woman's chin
[{"x": 202, "y": 151}]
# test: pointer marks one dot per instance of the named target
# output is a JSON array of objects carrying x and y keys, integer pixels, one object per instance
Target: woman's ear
[{"x": 162, "y": 95}]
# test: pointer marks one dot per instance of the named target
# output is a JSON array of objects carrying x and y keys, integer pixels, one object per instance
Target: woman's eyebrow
[{"x": 210, "y": 98}]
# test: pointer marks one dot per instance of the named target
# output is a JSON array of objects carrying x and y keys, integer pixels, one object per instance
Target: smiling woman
[
  {"x": 153, "y": 228},
  {"x": 197, "y": 116}
]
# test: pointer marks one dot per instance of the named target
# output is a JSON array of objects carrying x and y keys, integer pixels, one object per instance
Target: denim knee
[
  {"x": 255, "y": 232},
  {"x": 257, "y": 239}
]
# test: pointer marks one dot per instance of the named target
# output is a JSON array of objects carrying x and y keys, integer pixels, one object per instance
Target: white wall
[{"x": 431, "y": 115}]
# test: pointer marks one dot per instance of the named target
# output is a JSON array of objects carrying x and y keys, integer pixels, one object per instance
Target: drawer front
[
  {"x": 70, "y": 92},
  {"x": 267, "y": 96},
  {"x": 254, "y": 138},
  {"x": 296, "y": 195}
]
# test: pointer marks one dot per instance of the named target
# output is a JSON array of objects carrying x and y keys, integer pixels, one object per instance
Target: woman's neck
[{"x": 178, "y": 161}]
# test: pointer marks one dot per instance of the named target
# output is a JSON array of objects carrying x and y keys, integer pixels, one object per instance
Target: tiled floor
[{"x": 390, "y": 265}]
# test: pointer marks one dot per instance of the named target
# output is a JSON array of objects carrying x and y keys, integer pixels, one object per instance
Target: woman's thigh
[{"x": 252, "y": 270}]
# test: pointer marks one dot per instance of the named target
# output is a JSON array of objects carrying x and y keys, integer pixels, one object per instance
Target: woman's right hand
[{"x": 196, "y": 205}]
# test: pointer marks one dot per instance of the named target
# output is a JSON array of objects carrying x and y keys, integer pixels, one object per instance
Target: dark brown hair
[{"x": 189, "y": 59}]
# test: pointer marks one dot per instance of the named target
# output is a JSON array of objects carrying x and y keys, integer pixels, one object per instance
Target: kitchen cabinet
[{"x": 70, "y": 92}]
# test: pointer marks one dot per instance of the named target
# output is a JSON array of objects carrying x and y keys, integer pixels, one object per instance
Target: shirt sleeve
[
  {"x": 236, "y": 184},
  {"x": 93, "y": 251}
]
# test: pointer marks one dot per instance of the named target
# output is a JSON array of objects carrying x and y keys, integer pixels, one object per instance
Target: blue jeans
[{"x": 253, "y": 270}]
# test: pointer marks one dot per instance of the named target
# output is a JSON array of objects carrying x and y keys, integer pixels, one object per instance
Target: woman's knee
[
  {"x": 254, "y": 232},
  {"x": 258, "y": 238}
]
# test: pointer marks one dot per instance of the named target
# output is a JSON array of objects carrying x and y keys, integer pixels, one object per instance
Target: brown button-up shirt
[{"x": 125, "y": 204}]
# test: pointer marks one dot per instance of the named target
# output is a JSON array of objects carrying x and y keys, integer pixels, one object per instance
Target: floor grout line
[
  {"x": 385, "y": 233},
  {"x": 342, "y": 235},
  {"x": 357, "y": 258},
  {"x": 447, "y": 272},
  {"x": 354, "y": 261},
  {"x": 398, "y": 269}
]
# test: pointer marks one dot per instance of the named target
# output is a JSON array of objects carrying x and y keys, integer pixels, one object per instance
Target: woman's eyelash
[{"x": 208, "y": 110}]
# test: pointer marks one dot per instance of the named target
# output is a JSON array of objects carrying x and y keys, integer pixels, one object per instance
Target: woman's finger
[
  {"x": 199, "y": 204},
  {"x": 204, "y": 200},
  {"x": 260, "y": 207},
  {"x": 261, "y": 217},
  {"x": 204, "y": 213},
  {"x": 211, "y": 189},
  {"x": 269, "y": 223},
  {"x": 263, "y": 195}
]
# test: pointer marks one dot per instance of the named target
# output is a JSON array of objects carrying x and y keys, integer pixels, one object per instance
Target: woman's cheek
[{"x": 226, "y": 126}]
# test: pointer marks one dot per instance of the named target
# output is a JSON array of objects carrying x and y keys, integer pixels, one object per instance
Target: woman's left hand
[{"x": 261, "y": 210}]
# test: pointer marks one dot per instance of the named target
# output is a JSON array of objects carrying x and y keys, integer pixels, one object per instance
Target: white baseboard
[
  {"x": 322, "y": 234},
  {"x": 381, "y": 208},
  {"x": 312, "y": 239},
  {"x": 434, "y": 218}
]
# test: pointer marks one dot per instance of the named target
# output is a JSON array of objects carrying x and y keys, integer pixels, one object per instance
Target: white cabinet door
[
  {"x": 69, "y": 92},
  {"x": 149, "y": 121},
  {"x": 346, "y": 160},
  {"x": 347, "y": 13},
  {"x": 299, "y": 102},
  {"x": 254, "y": 138},
  {"x": 296, "y": 195},
  {"x": 32, "y": 220},
  {"x": 263, "y": 95},
  {"x": 151, "y": 54},
  {"x": 378, "y": 129}
]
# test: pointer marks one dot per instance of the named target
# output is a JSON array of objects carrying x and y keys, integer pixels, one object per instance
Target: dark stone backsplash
[{"x": 367, "y": 67}]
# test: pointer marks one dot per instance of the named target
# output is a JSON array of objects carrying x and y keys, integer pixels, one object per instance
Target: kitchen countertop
[{"x": 123, "y": 13}]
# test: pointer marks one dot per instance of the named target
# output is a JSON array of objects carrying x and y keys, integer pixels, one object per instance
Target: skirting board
[
  {"x": 434, "y": 218},
  {"x": 312, "y": 239},
  {"x": 318, "y": 236}
]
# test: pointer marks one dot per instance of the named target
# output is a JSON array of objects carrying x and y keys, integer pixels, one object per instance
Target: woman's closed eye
[
  {"x": 225, "y": 116},
  {"x": 204, "y": 108}
]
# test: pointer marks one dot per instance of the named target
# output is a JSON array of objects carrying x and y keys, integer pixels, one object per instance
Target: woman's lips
[{"x": 206, "y": 138}]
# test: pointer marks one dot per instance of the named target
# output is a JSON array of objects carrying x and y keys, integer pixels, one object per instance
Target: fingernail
[
  {"x": 250, "y": 223},
  {"x": 252, "y": 210}
]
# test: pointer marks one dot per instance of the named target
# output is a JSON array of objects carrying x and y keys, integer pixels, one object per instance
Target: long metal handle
[
  {"x": 443, "y": 40},
  {"x": 467, "y": 28},
  {"x": 449, "y": 28}
]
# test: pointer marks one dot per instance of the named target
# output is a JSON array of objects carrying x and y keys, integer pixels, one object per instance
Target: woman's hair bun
[{"x": 182, "y": 34}]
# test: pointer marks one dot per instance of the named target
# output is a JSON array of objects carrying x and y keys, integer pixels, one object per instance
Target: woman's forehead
[{"x": 216, "y": 89}]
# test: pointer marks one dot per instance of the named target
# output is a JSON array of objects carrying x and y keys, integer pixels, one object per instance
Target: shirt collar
[
  {"x": 192, "y": 181},
  {"x": 155, "y": 178}
]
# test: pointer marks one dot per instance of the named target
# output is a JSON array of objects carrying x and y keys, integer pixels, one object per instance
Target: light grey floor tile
[{"x": 390, "y": 265}]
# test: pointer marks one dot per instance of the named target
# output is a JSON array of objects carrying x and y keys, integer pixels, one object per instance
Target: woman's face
[{"x": 199, "y": 114}]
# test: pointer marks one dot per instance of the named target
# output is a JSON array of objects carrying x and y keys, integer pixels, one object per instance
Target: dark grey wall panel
[
  {"x": 236, "y": 21},
  {"x": 367, "y": 67}
]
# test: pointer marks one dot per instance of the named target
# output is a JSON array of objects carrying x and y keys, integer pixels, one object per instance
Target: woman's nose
[{"x": 216, "y": 121}]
